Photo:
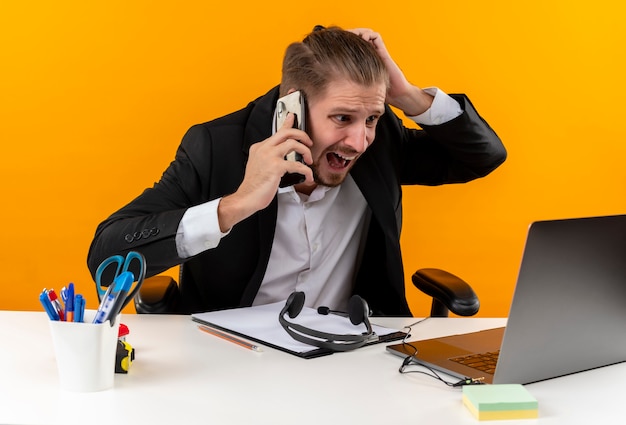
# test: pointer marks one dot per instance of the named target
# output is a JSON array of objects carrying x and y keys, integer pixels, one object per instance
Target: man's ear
[{"x": 291, "y": 90}]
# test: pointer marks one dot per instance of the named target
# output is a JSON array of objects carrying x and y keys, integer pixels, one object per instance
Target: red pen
[{"x": 57, "y": 304}]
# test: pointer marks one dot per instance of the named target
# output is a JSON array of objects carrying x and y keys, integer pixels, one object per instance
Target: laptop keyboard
[{"x": 485, "y": 362}]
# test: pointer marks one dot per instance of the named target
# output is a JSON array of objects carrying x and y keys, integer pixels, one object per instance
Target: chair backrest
[{"x": 158, "y": 295}]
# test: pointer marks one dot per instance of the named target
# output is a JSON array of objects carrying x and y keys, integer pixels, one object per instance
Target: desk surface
[{"x": 183, "y": 375}]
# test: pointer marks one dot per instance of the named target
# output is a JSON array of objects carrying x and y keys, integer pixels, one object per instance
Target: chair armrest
[
  {"x": 449, "y": 292},
  {"x": 157, "y": 295}
]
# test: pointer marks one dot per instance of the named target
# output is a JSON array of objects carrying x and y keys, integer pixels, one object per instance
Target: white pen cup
[{"x": 85, "y": 353}]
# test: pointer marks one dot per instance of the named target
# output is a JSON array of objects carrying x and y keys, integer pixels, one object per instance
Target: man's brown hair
[{"x": 330, "y": 54}]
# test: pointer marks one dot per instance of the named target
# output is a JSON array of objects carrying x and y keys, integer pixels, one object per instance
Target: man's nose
[{"x": 357, "y": 138}]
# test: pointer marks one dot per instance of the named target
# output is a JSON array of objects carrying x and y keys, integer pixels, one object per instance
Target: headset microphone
[
  {"x": 358, "y": 312},
  {"x": 326, "y": 311}
]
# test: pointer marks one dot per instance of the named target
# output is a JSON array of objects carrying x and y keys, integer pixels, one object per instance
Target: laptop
[{"x": 568, "y": 312}]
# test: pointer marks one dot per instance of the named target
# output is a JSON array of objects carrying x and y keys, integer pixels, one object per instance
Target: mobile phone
[{"x": 294, "y": 103}]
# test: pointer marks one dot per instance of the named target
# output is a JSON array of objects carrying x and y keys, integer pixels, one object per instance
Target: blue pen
[
  {"x": 69, "y": 303},
  {"x": 79, "y": 308},
  {"x": 47, "y": 305},
  {"x": 114, "y": 298},
  {"x": 106, "y": 298}
]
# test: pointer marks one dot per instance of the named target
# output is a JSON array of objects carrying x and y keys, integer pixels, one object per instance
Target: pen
[
  {"x": 114, "y": 298},
  {"x": 107, "y": 296},
  {"x": 64, "y": 294},
  {"x": 79, "y": 308},
  {"x": 47, "y": 305},
  {"x": 56, "y": 303},
  {"x": 230, "y": 338},
  {"x": 69, "y": 303}
]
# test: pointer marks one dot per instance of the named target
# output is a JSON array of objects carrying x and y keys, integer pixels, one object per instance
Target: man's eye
[
  {"x": 342, "y": 118},
  {"x": 372, "y": 120}
]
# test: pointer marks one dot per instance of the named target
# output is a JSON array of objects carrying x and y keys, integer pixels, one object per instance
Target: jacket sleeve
[
  {"x": 458, "y": 151},
  {"x": 149, "y": 223}
]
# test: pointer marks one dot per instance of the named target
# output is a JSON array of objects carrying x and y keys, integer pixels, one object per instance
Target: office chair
[{"x": 160, "y": 294}]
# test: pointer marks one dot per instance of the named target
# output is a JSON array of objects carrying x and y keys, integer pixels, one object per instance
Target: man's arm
[
  {"x": 203, "y": 226},
  {"x": 457, "y": 145},
  {"x": 265, "y": 167},
  {"x": 151, "y": 223},
  {"x": 460, "y": 150}
]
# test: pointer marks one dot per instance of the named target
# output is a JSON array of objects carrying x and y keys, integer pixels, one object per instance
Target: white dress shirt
[{"x": 317, "y": 239}]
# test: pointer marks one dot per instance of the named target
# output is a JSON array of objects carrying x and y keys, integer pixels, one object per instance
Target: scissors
[{"x": 122, "y": 265}]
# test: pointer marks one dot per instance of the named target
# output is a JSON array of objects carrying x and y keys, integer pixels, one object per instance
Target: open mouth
[{"x": 338, "y": 161}]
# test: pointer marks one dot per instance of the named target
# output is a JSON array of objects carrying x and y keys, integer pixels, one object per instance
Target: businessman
[{"x": 219, "y": 208}]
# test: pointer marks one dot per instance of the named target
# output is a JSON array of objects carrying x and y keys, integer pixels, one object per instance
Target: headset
[{"x": 358, "y": 312}]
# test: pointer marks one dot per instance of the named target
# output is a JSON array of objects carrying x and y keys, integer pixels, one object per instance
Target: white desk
[{"x": 183, "y": 375}]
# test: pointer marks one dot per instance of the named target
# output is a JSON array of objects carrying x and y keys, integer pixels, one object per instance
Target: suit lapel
[
  {"x": 371, "y": 183},
  {"x": 382, "y": 258}
]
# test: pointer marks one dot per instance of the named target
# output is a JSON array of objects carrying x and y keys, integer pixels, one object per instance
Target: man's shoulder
[
  {"x": 236, "y": 130},
  {"x": 260, "y": 108}
]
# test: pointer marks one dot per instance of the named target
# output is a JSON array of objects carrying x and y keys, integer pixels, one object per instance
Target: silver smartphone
[{"x": 294, "y": 103}]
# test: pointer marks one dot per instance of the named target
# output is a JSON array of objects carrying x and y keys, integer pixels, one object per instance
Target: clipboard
[{"x": 260, "y": 324}]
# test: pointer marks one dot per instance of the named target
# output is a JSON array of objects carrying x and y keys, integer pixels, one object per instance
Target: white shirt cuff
[
  {"x": 199, "y": 229},
  {"x": 443, "y": 109}
]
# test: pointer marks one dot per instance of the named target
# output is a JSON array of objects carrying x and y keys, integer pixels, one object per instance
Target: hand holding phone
[{"x": 291, "y": 103}]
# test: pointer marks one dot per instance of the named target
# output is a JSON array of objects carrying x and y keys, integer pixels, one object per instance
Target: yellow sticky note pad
[{"x": 497, "y": 402}]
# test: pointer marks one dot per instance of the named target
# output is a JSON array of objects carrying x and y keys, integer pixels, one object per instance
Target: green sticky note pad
[{"x": 505, "y": 401}]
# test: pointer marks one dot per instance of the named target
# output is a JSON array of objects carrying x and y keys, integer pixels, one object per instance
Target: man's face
[{"x": 342, "y": 124}]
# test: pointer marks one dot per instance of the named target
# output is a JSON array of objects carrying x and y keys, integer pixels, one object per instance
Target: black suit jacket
[{"x": 210, "y": 163}]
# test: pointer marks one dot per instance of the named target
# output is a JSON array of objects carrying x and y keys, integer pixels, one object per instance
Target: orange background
[{"x": 95, "y": 97}]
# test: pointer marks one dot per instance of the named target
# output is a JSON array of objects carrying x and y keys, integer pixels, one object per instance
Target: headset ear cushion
[
  {"x": 295, "y": 303},
  {"x": 358, "y": 310}
]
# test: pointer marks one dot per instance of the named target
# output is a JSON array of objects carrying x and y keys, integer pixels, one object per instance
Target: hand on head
[{"x": 401, "y": 93}]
